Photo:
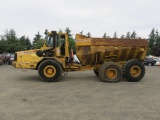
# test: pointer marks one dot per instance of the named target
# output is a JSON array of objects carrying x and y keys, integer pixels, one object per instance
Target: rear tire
[
  {"x": 133, "y": 70},
  {"x": 50, "y": 71},
  {"x": 110, "y": 72}
]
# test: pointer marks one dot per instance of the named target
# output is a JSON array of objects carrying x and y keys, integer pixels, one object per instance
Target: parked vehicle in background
[
  {"x": 157, "y": 61},
  {"x": 3, "y": 58},
  {"x": 11, "y": 58},
  {"x": 8, "y": 57},
  {"x": 149, "y": 61}
]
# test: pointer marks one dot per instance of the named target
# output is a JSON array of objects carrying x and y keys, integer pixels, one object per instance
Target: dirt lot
[{"x": 78, "y": 96}]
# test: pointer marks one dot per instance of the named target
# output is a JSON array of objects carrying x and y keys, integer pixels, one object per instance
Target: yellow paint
[{"x": 92, "y": 52}]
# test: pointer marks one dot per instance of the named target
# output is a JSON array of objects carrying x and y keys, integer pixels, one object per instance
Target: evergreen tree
[
  {"x": 156, "y": 34},
  {"x": 68, "y": 31},
  {"x": 3, "y": 46},
  {"x": 10, "y": 41},
  {"x": 115, "y": 35},
  {"x": 39, "y": 43},
  {"x": 88, "y": 34},
  {"x": 155, "y": 50},
  {"x": 105, "y": 35},
  {"x": 72, "y": 45},
  {"x": 154, "y": 43},
  {"x": 128, "y": 36},
  {"x": 71, "y": 40},
  {"x": 28, "y": 44},
  {"x": 36, "y": 39},
  {"x": 134, "y": 35},
  {"x": 152, "y": 37},
  {"x": 24, "y": 43},
  {"x": 151, "y": 42}
]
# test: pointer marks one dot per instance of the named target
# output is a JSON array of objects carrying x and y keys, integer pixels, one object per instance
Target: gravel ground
[{"x": 78, "y": 96}]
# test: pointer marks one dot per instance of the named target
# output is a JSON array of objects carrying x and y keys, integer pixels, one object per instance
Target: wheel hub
[
  {"x": 49, "y": 71},
  {"x": 135, "y": 71},
  {"x": 111, "y": 73}
]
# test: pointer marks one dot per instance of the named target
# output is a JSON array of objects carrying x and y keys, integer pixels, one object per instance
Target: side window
[
  {"x": 62, "y": 40},
  {"x": 57, "y": 41},
  {"x": 62, "y": 44}
]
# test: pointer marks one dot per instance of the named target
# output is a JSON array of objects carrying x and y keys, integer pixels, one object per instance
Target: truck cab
[{"x": 56, "y": 45}]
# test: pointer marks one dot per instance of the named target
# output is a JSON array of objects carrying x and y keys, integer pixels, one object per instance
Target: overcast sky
[{"x": 27, "y": 17}]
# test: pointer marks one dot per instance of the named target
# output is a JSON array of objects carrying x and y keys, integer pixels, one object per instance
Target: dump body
[{"x": 92, "y": 51}]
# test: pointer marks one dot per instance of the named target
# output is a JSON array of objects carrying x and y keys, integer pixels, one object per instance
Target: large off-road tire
[
  {"x": 50, "y": 71},
  {"x": 110, "y": 72},
  {"x": 133, "y": 70},
  {"x": 96, "y": 72}
]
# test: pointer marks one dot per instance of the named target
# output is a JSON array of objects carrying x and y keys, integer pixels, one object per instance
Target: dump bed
[{"x": 97, "y": 50}]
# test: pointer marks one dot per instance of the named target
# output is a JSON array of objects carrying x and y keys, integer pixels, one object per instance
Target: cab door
[{"x": 62, "y": 45}]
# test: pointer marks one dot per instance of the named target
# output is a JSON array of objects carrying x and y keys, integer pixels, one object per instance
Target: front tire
[
  {"x": 50, "y": 71},
  {"x": 110, "y": 72},
  {"x": 133, "y": 71}
]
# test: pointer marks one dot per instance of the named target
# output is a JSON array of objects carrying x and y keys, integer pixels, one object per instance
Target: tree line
[{"x": 10, "y": 43}]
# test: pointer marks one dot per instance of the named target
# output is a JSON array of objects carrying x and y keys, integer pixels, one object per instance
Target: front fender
[{"x": 61, "y": 61}]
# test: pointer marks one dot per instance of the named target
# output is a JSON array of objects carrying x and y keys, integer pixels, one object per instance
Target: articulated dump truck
[{"x": 111, "y": 59}]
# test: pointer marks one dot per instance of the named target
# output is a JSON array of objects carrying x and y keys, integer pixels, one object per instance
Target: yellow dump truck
[{"x": 109, "y": 58}]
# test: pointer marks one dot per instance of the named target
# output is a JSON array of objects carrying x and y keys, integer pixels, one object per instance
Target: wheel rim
[
  {"x": 49, "y": 71},
  {"x": 111, "y": 73},
  {"x": 135, "y": 71}
]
